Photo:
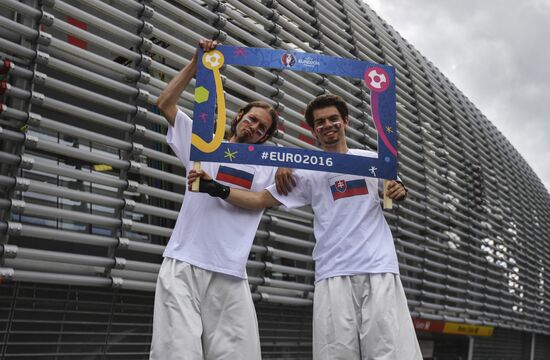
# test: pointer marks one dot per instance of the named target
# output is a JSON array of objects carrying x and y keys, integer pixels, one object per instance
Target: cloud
[{"x": 496, "y": 53}]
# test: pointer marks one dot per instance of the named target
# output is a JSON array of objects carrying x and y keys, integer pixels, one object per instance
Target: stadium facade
[{"x": 90, "y": 190}]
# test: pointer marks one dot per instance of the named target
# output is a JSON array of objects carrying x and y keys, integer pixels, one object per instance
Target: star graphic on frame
[
  {"x": 230, "y": 155},
  {"x": 389, "y": 130},
  {"x": 373, "y": 170},
  {"x": 240, "y": 52}
]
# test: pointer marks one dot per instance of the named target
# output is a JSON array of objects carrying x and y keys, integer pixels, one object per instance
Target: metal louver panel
[{"x": 89, "y": 190}]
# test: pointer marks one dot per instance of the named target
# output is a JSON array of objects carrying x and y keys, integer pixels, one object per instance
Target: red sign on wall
[
  {"x": 428, "y": 325},
  {"x": 74, "y": 40}
]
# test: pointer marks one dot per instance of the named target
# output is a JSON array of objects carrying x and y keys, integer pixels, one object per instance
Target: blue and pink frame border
[{"x": 379, "y": 78}]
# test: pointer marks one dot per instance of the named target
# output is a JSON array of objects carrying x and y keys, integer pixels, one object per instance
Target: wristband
[{"x": 214, "y": 188}]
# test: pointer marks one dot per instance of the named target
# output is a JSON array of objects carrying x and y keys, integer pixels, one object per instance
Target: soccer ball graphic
[
  {"x": 213, "y": 59},
  {"x": 376, "y": 79}
]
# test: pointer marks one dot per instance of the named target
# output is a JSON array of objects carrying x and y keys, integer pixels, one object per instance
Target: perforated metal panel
[
  {"x": 542, "y": 347},
  {"x": 90, "y": 190},
  {"x": 505, "y": 344}
]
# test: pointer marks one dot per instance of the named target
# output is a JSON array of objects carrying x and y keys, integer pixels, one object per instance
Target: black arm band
[{"x": 214, "y": 188}]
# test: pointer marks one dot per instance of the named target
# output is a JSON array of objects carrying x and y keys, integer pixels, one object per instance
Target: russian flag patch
[
  {"x": 234, "y": 176},
  {"x": 342, "y": 188}
]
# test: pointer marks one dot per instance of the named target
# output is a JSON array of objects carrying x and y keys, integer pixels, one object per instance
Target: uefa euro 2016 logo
[{"x": 288, "y": 60}]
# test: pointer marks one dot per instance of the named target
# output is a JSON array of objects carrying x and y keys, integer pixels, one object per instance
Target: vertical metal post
[
  {"x": 532, "y": 351},
  {"x": 470, "y": 348}
]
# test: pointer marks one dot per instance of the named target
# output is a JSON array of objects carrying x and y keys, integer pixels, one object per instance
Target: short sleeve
[
  {"x": 300, "y": 194},
  {"x": 179, "y": 137}
]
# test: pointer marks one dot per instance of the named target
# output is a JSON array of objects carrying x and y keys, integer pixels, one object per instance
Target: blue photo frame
[{"x": 209, "y": 95}]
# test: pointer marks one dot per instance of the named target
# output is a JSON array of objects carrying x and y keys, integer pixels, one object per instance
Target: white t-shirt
[
  {"x": 349, "y": 225},
  {"x": 211, "y": 233}
]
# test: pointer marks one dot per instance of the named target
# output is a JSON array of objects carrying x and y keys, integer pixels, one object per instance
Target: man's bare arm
[
  {"x": 169, "y": 97},
  {"x": 252, "y": 200}
]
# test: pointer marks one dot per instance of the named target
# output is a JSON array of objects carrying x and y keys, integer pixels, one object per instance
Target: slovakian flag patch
[
  {"x": 234, "y": 176},
  {"x": 342, "y": 188}
]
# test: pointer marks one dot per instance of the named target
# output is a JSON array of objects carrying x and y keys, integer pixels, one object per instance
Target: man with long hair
[{"x": 203, "y": 306}]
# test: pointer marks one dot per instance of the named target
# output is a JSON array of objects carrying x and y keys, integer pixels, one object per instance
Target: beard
[
  {"x": 244, "y": 138},
  {"x": 332, "y": 141}
]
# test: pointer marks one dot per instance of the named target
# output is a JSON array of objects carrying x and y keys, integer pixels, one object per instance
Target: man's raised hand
[
  {"x": 284, "y": 181},
  {"x": 396, "y": 190}
]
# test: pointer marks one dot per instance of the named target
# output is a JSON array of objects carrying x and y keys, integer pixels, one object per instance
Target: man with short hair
[
  {"x": 203, "y": 306},
  {"x": 359, "y": 308}
]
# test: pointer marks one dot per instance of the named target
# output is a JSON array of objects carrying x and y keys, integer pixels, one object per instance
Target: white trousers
[
  {"x": 202, "y": 315},
  {"x": 363, "y": 317}
]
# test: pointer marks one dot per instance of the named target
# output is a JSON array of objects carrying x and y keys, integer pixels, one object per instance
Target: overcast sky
[{"x": 497, "y": 52}]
